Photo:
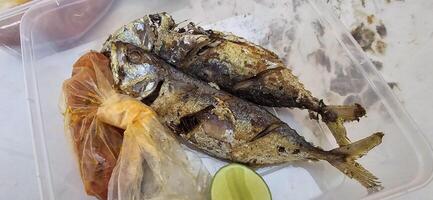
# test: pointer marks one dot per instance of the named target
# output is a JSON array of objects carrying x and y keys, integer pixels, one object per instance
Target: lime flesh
[{"x": 238, "y": 182}]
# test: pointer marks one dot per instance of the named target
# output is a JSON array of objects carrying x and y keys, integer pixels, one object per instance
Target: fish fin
[
  {"x": 354, "y": 170},
  {"x": 347, "y": 112},
  {"x": 335, "y": 116},
  {"x": 345, "y": 161},
  {"x": 338, "y": 131},
  {"x": 360, "y": 148}
]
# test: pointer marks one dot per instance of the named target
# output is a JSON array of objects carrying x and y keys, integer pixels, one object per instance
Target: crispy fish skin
[
  {"x": 235, "y": 65},
  {"x": 226, "y": 126}
]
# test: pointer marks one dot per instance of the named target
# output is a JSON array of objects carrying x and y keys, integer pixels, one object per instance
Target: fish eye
[{"x": 156, "y": 18}]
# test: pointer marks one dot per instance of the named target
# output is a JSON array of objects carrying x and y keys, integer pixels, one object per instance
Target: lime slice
[{"x": 238, "y": 182}]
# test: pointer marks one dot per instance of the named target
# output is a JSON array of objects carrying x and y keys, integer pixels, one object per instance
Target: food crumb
[
  {"x": 370, "y": 19},
  {"x": 381, "y": 30},
  {"x": 363, "y": 36},
  {"x": 393, "y": 85},
  {"x": 377, "y": 64},
  {"x": 380, "y": 47}
]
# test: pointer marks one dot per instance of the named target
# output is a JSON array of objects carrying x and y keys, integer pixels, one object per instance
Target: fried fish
[
  {"x": 221, "y": 124},
  {"x": 233, "y": 64}
]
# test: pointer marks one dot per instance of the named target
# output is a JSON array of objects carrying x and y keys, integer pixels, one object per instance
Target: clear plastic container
[
  {"x": 9, "y": 27},
  {"x": 304, "y": 33}
]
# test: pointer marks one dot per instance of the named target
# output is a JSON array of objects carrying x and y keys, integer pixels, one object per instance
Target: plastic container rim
[
  {"x": 364, "y": 65},
  {"x": 17, "y": 9}
]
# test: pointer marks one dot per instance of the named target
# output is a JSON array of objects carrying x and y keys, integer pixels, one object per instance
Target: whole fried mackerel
[
  {"x": 233, "y": 64},
  {"x": 221, "y": 124}
]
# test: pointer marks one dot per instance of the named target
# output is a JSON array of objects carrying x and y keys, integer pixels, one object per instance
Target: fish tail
[
  {"x": 346, "y": 112},
  {"x": 335, "y": 115},
  {"x": 338, "y": 131},
  {"x": 361, "y": 147},
  {"x": 344, "y": 160},
  {"x": 354, "y": 170}
]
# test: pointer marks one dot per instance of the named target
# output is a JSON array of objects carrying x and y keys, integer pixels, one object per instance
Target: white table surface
[{"x": 407, "y": 62}]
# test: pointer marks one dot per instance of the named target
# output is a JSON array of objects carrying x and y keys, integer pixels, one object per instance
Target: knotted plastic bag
[
  {"x": 96, "y": 144},
  {"x": 151, "y": 164}
]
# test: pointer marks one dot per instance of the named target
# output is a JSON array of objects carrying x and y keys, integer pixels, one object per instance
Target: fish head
[
  {"x": 135, "y": 71},
  {"x": 142, "y": 32},
  {"x": 162, "y": 21}
]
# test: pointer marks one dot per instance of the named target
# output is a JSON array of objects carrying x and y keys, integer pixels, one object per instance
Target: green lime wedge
[{"x": 238, "y": 182}]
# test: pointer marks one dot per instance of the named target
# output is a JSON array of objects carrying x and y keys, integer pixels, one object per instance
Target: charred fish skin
[
  {"x": 229, "y": 61},
  {"x": 207, "y": 117},
  {"x": 258, "y": 75},
  {"x": 228, "y": 127},
  {"x": 234, "y": 65},
  {"x": 242, "y": 68},
  {"x": 191, "y": 108},
  {"x": 142, "y": 32},
  {"x": 237, "y": 66}
]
